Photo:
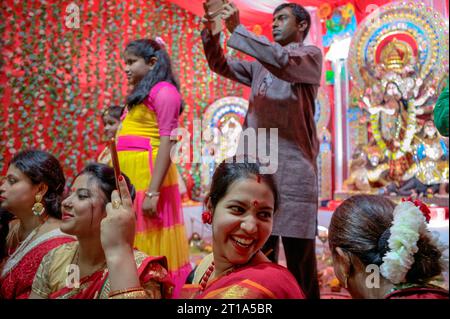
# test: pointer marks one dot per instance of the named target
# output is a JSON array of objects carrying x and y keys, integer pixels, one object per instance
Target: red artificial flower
[
  {"x": 207, "y": 217},
  {"x": 422, "y": 206}
]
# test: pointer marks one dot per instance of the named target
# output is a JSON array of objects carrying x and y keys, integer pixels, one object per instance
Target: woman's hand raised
[{"x": 118, "y": 227}]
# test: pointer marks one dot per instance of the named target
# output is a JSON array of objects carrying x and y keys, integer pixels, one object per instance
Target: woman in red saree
[
  {"x": 241, "y": 204},
  {"x": 93, "y": 266},
  {"x": 50, "y": 281},
  {"x": 260, "y": 279},
  {"x": 31, "y": 191},
  {"x": 405, "y": 259}
]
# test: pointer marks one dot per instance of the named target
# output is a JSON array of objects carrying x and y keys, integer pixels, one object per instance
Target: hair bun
[{"x": 383, "y": 245}]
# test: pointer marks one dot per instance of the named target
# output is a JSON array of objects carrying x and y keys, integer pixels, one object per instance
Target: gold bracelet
[
  {"x": 140, "y": 294},
  {"x": 125, "y": 291},
  {"x": 151, "y": 194}
]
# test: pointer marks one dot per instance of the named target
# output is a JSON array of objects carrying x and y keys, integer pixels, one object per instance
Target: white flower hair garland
[{"x": 408, "y": 225}]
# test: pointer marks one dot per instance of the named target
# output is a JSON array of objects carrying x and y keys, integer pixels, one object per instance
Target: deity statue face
[
  {"x": 374, "y": 160},
  {"x": 429, "y": 129},
  {"x": 393, "y": 91}
]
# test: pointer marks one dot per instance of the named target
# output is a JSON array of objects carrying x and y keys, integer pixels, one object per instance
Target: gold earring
[{"x": 38, "y": 208}]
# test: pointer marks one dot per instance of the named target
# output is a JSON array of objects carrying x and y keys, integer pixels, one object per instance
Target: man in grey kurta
[{"x": 284, "y": 81}]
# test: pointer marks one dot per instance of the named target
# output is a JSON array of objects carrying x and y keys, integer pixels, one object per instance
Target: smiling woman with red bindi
[{"x": 242, "y": 203}]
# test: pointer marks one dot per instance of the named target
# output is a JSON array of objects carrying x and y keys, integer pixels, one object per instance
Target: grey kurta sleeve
[
  {"x": 295, "y": 64},
  {"x": 233, "y": 69}
]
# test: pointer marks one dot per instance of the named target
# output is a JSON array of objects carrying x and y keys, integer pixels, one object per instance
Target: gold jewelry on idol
[{"x": 38, "y": 208}]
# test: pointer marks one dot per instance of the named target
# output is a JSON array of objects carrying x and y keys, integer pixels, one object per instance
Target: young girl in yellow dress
[{"x": 143, "y": 145}]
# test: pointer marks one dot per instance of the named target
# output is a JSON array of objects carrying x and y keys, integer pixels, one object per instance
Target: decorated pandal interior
[
  {"x": 374, "y": 116},
  {"x": 397, "y": 67}
]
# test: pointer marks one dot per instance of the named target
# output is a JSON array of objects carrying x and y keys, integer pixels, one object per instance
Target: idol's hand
[
  {"x": 117, "y": 229},
  {"x": 230, "y": 14}
]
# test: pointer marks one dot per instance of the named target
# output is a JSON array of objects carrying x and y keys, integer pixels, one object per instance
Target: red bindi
[{"x": 255, "y": 203}]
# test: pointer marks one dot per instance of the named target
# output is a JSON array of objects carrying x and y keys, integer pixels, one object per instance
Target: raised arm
[
  {"x": 117, "y": 237},
  {"x": 295, "y": 63},
  {"x": 233, "y": 69}
]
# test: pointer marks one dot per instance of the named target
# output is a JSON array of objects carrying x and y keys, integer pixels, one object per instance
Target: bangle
[
  {"x": 123, "y": 292},
  {"x": 151, "y": 194},
  {"x": 140, "y": 294}
]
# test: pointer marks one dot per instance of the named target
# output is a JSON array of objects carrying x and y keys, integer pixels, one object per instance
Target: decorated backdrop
[
  {"x": 61, "y": 64},
  {"x": 58, "y": 72}
]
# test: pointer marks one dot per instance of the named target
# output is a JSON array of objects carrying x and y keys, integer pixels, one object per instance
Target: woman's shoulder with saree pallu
[
  {"x": 19, "y": 271},
  {"x": 51, "y": 274},
  {"x": 261, "y": 281},
  {"x": 202, "y": 267},
  {"x": 152, "y": 275},
  {"x": 191, "y": 290}
]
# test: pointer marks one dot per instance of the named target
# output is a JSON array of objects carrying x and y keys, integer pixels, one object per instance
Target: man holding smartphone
[{"x": 284, "y": 79}]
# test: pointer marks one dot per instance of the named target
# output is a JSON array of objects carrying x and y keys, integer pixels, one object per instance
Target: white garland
[{"x": 408, "y": 224}]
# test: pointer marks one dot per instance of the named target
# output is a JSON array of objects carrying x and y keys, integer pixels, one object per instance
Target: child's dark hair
[
  {"x": 42, "y": 167},
  {"x": 235, "y": 169},
  {"x": 114, "y": 111},
  {"x": 361, "y": 226},
  {"x": 300, "y": 13},
  {"x": 147, "y": 49},
  {"x": 104, "y": 176}
]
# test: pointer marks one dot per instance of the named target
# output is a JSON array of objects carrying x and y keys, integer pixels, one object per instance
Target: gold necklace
[
  {"x": 212, "y": 268},
  {"x": 21, "y": 245}
]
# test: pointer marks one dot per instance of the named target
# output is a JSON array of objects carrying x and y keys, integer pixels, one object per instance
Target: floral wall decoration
[{"x": 56, "y": 76}]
